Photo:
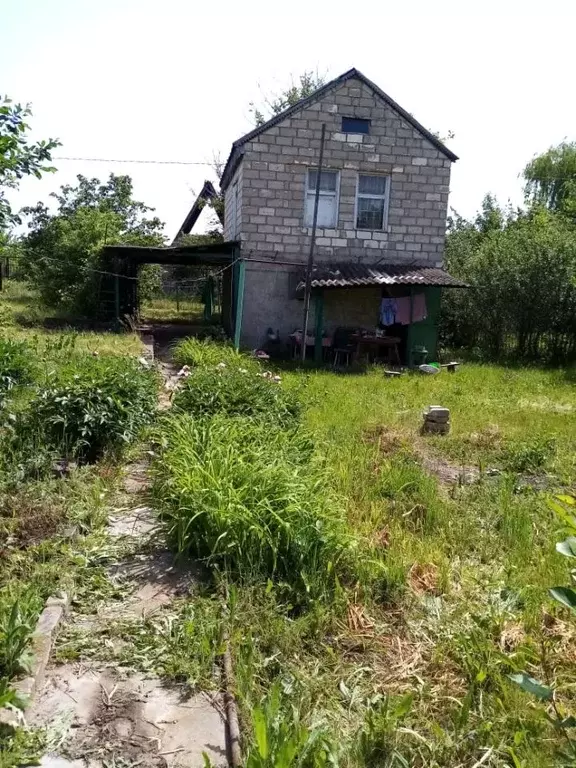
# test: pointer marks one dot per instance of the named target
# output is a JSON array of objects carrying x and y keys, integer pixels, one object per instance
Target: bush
[
  {"x": 92, "y": 405},
  {"x": 15, "y": 364},
  {"x": 198, "y": 353},
  {"x": 250, "y": 498},
  {"x": 528, "y": 456},
  {"x": 237, "y": 392}
]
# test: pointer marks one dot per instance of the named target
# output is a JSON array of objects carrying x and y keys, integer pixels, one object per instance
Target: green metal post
[
  {"x": 410, "y": 329},
  {"x": 239, "y": 279},
  {"x": 319, "y": 307}
]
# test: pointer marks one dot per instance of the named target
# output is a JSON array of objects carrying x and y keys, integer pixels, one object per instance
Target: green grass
[
  {"x": 249, "y": 498},
  {"x": 22, "y": 317},
  {"x": 170, "y": 309},
  {"x": 413, "y": 668}
]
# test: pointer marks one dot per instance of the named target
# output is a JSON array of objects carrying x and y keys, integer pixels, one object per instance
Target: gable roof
[
  {"x": 207, "y": 193},
  {"x": 237, "y": 151}
]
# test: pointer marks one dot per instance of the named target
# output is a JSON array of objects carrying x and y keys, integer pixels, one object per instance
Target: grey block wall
[{"x": 272, "y": 182}]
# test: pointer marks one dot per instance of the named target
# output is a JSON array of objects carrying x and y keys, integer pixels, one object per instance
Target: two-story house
[{"x": 381, "y": 213}]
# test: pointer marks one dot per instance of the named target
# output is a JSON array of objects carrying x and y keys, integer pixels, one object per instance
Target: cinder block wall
[{"x": 272, "y": 183}]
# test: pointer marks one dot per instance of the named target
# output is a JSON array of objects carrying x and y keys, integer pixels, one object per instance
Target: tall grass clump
[
  {"x": 16, "y": 366},
  {"x": 206, "y": 353},
  {"x": 238, "y": 392},
  {"x": 250, "y": 498}
]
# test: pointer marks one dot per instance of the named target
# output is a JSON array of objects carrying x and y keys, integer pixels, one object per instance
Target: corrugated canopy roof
[{"x": 352, "y": 275}]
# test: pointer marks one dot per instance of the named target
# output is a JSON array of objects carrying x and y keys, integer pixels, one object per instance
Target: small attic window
[{"x": 355, "y": 125}]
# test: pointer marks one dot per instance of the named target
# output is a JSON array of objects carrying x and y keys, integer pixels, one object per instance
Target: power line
[
  {"x": 140, "y": 162},
  {"x": 17, "y": 257}
]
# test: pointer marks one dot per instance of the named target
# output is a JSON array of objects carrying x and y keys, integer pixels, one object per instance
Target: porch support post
[
  {"x": 239, "y": 279},
  {"x": 410, "y": 329},
  {"x": 319, "y": 308}
]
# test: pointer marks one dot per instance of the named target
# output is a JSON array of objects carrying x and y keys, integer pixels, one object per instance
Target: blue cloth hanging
[{"x": 388, "y": 311}]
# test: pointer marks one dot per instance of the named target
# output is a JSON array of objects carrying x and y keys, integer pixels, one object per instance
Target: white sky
[{"x": 172, "y": 80}]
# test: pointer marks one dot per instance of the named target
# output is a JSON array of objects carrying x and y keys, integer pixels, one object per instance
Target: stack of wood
[{"x": 436, "y": 420}]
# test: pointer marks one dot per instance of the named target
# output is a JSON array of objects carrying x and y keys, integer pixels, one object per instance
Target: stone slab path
[{"x": 105, "y": 715}]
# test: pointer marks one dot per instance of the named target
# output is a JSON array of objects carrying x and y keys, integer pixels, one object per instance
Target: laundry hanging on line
[{"x": 403, "y": 310}]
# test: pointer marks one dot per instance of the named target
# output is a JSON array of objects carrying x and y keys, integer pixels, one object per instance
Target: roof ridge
[{"x": 350, "y": 73}]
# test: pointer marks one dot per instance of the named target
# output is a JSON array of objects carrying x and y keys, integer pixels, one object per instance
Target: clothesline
[{"x": 403, "y": 310}]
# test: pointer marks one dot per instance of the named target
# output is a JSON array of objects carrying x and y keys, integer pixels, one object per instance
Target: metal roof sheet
[{"x": 351, "y": 275}]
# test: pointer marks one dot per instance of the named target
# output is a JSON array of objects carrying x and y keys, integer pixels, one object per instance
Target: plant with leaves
[
  {"x": 282, "y": 740},
  {"x": 515, "y": 261},
  {"x": 18, "y": 156},
  {"x": 61, "y": 252},
  {"x": 551, "y": 179},
  {"x": 565, "y": 508}
]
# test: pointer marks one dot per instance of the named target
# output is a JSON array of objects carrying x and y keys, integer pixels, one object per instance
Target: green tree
[
  {"x": 522, "y": 269},
  {"x": 304, "y": 86},
  {"x": 18, "y": 156},
  {"x": 551, "y": 179},
  {"x": 61, "y": 252}
]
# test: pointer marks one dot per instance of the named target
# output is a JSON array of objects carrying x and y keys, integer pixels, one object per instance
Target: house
[{"x": 381, "y": 216}]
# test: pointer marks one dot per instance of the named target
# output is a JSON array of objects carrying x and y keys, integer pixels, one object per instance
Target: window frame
[
  {"x": 312, "y": 192},
  {"x": 385, "y": 197},
  {"x": 360, "y": 120}
]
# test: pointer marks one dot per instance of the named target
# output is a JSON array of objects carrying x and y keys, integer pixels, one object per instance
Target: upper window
[
  {"x": 372, "y": 202},
  {"x": 355, "y": 125},
  {"x": 327, "y": 201}
]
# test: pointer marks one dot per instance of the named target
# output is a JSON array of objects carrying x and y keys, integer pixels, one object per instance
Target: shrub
[
  {"x": 528, "y": 456},
  {"x": 91, "y": 406},
  {"x": 15, "y": 364},
  {"x": 250, "y": 498},
  {"x": 199, "y": 353},
  {"x": 237, "y": 392}
]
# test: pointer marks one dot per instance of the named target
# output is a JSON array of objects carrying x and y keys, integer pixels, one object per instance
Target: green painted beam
[{"x": 239, "y": 280}]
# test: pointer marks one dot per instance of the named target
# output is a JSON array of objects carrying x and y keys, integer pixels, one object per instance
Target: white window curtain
[{"x": 327, "y": 201}]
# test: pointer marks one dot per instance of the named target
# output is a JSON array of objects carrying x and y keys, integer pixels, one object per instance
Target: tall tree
[
  {"x": 551, "y": 179},
  {"x": 304, "y": 86},
  {"x": 18, "y": 156},
  {"x": 61, "y": 252}
]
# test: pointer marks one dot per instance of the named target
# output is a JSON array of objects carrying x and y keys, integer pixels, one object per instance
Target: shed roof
[
  {"x": 355, "y": 275},
  {"x": 236, "y": 152},
  {"x": 212, "y": 253},
  {"x": 206, "y": 194}
]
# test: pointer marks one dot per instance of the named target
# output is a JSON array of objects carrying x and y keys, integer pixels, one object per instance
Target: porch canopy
[
  {"x": 395, "y": 280},
  {"x": 356, "y": 275},
  {"x": 119, "y": 286}
]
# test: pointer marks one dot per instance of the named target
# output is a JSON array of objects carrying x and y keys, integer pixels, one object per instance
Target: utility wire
[
  {"x": 142, "y": 162},
  {"x": 17, "y": 257}
]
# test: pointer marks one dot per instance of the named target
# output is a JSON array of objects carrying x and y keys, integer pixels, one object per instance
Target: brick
[
  {"x": 266, "y": 211},
  {"x": 419, "y": 161},
  {"x": 339, "y": 242}
]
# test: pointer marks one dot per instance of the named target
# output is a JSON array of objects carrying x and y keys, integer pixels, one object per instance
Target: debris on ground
[{"x": 436, "y": 420}]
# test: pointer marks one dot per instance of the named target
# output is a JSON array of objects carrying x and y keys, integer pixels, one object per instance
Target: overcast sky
[{"x": 172, "y": 80}]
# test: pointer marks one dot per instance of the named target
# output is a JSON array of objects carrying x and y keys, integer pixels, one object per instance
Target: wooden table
[{"x": 389, "y": 343}]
